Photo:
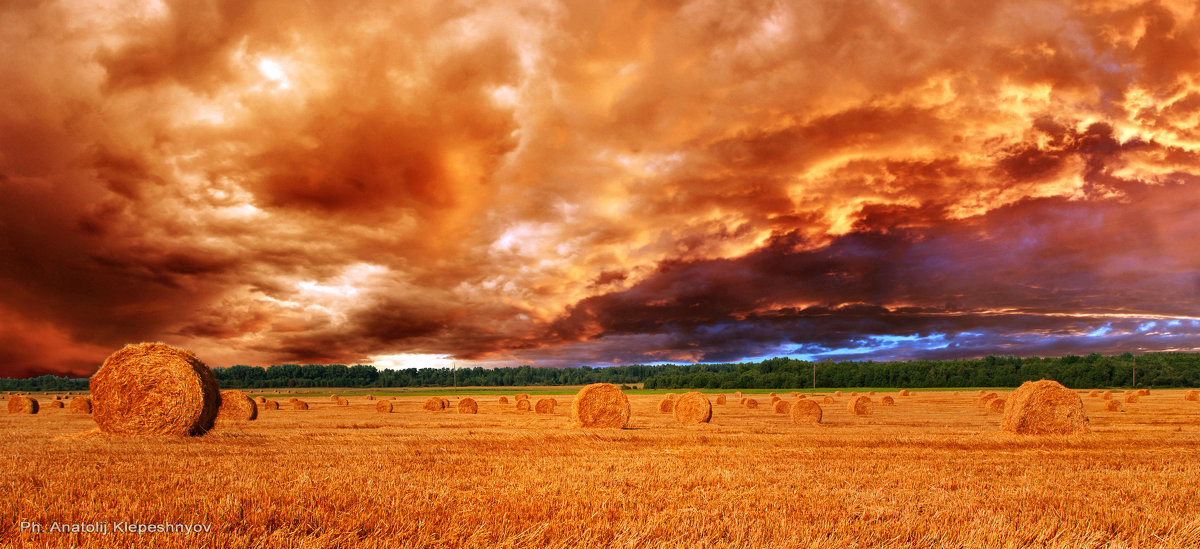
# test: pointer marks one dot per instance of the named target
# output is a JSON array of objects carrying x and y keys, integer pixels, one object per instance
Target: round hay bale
[
  {"x": 434, "y": 404},
  {"x": 1112, "y": 406},
  {"x": 553, "y": 401},
  {"x": 861, "y": 405},
  {"x": 1044, "y": 407},
  {"x": 872, "y": 393},
  {"x": 56, "y": 404},
  {"x": 887, "y": 401},
  {"x": 370, "y": 397},
  {"x": 903, "y": 392},
  {"x": 270, "y": 405},
  {"x": 236, "y": 406},
  {"x": 827, "y": 400},
  {"x": 600, "y": 405},
  {"x": 1143, "y": 392},
  {"x": 800, "y": 396},
  {"x": 996, "y": 405},
  {"x": 1106, "y": 395},
  {"x": 522, "y": 396},
  {"x": 742, "y": 401},
  {"x": 751, "y": 403},
  {"x": 1131, "y": 397},
  {"x": 383, "y": 406},
  {"x": 775, "y": 399},
  {"x": 983, "y": 400},
  {"x": 81, "y": 405},
  {"x": 806, "y": 412},
  {"x": 1093, "y": 393},
  {"x": 772, "y": 394},
  {"x": 523, "y": 405},
  {"x": 502, "y": 400},
  {"x": 692, "y": 407},
  {"x": 720, "y": 399},
  {"x": 343, "y": 402},
  {"x": 333, "y": 398},
  {"x": 782, "y": 406},
  {"x": 837, "y": 394},
  {"x": 665, "y": 405},
  {"x": 23, "y": 405},
  {"x": 737, "y": 394},
  {"x": 154, "y": 389},
  {"x": 1192, "y": 396},
  {"x": 261, "y": 400},
  {"x": 292, "y": 400},
  {"x": 544, "y": 406},
  {"x": 468, "y": 406},
  {"x": 57, "y": 397},
  {"x": 299, "y": 405},
  {"x": 445, "y": 403}
]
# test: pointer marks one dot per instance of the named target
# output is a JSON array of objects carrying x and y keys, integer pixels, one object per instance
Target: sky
[{"x": 596, "y": 182}]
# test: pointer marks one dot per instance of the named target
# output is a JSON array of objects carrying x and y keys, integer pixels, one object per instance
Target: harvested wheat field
[{"x": 933, "y": 470}]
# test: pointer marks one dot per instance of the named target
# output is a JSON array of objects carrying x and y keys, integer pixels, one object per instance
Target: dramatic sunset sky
[{"x": 588, "y": 182}]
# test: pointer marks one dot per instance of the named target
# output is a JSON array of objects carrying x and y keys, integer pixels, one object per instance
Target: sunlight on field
[{"x": 932, "y": 470}]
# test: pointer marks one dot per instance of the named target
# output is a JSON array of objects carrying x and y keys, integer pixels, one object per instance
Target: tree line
[{"x": 1094, "y": 370}]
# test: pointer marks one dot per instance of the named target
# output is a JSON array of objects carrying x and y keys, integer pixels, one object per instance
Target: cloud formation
[{"x": 597, "y": 182}]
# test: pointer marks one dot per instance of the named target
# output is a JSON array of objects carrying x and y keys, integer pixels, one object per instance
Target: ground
[{"x": 934, "y": 470}]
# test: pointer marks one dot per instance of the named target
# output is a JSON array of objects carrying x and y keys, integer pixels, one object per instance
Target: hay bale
[
  {"x": 383, "y": 406},
  {"x": 1143, "y": 392},
  {"x": 665, "y": 405},
  {"x": 56, "y": 404},
  {"x": 522, "y": 396},
  {"x": 1106, "y": 395},
  {"x": 261, "y": 400},
  {"x": 837, "y": 394},
  {"x": 887, "y": 401},
  {"x": 343, "y": 402},
  {"x": 1192, "y": 396},
  {"x": 370, "y": 397},
  {"x": 236, "y": 406},
  {"x": 600, "y": 405},
  {"x": 544, "y": 406},
  {"x": 502, "y": 400},
  {"x": 751, "y": 403},
  {"x": 1093, "y": 393},
  {"x": 23, "y": 405},
  {"x": 775, "y": 399},
  {"x": 827, "y": 400},
  {"x": 523, "y": 405},
  {"x": 720, "y": 399},
  {"x": 270, "y": 405},
  {"x": 1112, "y": 406},
  {"x": 468, "y": 406},
  {"x": 781, "y": 406},
  {"x": 903, "y": 392},
  {"x": 333, "y": 398},
  {"x": 692, "y": 407},
  {"x": 996, "y": 405},
  {"x": 1044, "y": 407},
  {"x": 445, "y": 403},
  {"x": 737, "y": 395},
  {"x": 57, "y": 397},
  {"x": 1131, "y": 397},
  {"x": 861, "y": 405},
  {"x": 293, "y": 400},
  {"x": 872, "y": 393},
  {"x": 772, "y": 394},
  {"x": 742, "y": 401},
  {"x": 553, "y": 401},
  {"x": 434, "y": 404},
  {"x": 982, "y": 401},
  {"x": 299, "y": 405},
  {"x": 806, "y": 412},
  {"x": 800, "y": 396},
  {"x": 154, "y": 389},
  {"x": 81, "y": 405}
]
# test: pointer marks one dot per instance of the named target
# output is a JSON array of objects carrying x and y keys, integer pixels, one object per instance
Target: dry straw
[
  {"x": 343, "y": 402},
  {"x": 887, "y": 401},
  {"x": 782, "y": 406},
  {"x": 1042, "y": 408},
  {"x": 1143, "y": 392},
  {"x": 1131, "y": 397},
  {"x": 468, "y": 406},
  {"x": 903, "y": 392},
  {"x": 544, "y": 406},
  {"x": 861, "y": 405},
  {"x": 806, "y": 412},
  {"x": 1112, "y": 406},
  {"x": 751, "y": 403},
  {"x": 996, "y": 406},
  {"x": 600, "y": 405},
  {"x": 56, "y": 404},
  {"x": 434, "y": 404},
  {"x": 299, "y": 405},
  {"x": 523, "y": 405},
  {"x": 665, "y": 405},
  {"x": 236, "y": 406},
  {"x": 692, "y": 407},
  {"x": 270, "y": 405},
  {"x": 1192, "y": 396},
  {"x": 775, "y": 399},
  {"x": 1106, "y": 395},
  {"x": 720, "y": 399},
  {"x": 81, "y": 405},
  {"x": 384, "y": 406},
  {"x": 502, "y": 400},
  {"x": 827, "y": 400},
  {"x": 837, "y": 394},
  {"x": 1093, "y": 393},
  {"x": 800, "y": 395},
  {"x": 154, "y": 389},
  {"x": 553, "y": 401}
]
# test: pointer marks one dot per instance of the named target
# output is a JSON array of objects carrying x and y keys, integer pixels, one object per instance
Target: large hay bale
[
  {"x": 692, "y": 407},
  {"x": 544, "y": 406},
  {"x": 154, "y": 389},
  {"x": 434, "y": 404},
  {"x": 996, "y": 405},
  {"x": 742, "y": 401},
  {"x": 1131, "y": 397},
  {"x": 1093, "y": 393},
  {"x": 81, "y": 405},
  {"x": 1112, "y": 406},
  {"x": 299, "y": 405},
  {"x": 236, "y": 406},
  {"x": 1143, "y": 392},
  {"x": 806, "y": 412},
  {"x": 903, "y": 392},
  {"x": 270, "y": 405},
  {"x": 23, "y": 405},
  {"x": 887, "y": 401},
  {"x": 751, "y": 403},
  {"x": 781, "y": 406},
  {"x": 1044, "y": 407},
  {"x": 665, "y": 405},
  {"x": 827, "y": 400},
  {"x": 523, "y": 405},
  {"x": 861, "y": 405},
  {"x": 383, "y": 406},
  {"x": 1192, "y": 396},
  {"x": 445, "y": 403},
  {"x": 1106, "y": 395},
  {"x": 468, "y": 406},
  {"x": 343, "y": 402},
  {"x": 56, "y": 404},
  {"x": 502, "y": 400},
  {"x": 600, "y": 405}
]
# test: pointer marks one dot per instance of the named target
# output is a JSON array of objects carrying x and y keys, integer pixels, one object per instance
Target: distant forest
[{"x": 1095, "y": 370}]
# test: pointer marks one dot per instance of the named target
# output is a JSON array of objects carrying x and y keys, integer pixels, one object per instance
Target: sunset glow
[{"x": 570, "y": 183}]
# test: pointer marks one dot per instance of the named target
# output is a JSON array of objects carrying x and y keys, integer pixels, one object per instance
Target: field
[{"x": 934, "y": 470}]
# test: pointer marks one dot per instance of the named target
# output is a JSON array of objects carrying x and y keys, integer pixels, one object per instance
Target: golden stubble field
[{"x": 931, "y": 471}]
